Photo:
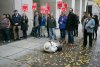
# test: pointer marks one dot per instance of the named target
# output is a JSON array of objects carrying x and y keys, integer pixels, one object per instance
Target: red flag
[
  {"x": 63, "y": 9},
  {"x": 48, "y": 6},
  {"x": 42, "y": 9},
  {"x": 60, "y": 4},
  {"x": 47, "y": 11},
  {"x": 65, "y": 5},
  {"x": 34, "y": 6},
  {"x": 25, "y": 7}
]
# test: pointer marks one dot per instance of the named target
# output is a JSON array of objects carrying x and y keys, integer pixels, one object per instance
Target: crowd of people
[
  {"x": 90, "y": 26},
  {"x": 10, "y": 26}
]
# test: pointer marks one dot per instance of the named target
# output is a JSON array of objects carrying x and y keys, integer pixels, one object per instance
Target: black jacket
[
  {"x": 71, "y": 22},
  {"x": 96, "y": 24},
  {"x": 24, "y": 23},
  {"x": 51, "y": 23},
  {"x": 16, "y": 19}
]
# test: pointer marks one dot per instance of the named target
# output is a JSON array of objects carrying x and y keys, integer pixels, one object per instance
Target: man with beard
[{"x": 70, "y": 26}]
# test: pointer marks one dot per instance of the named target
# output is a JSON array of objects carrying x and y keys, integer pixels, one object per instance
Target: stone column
[
  {"x": 80, "y": 16},
  {"x": 78, "y": 8},
  {"x": 86, "y": 4},
  {"x": 83, "y": 5},
  {"x": 73, "y": 5},
  {"x": 58, "y": 12}
]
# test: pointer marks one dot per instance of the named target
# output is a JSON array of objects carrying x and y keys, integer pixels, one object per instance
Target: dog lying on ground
[{"x": 51, "y": 46}]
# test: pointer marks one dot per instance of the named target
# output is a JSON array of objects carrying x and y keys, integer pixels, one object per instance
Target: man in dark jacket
[
  {"x": 36, "y": 24},
  {"x": 82, "y": 20},
  {"x": 76, "y": 26},
  {"x": 71, "y": 22},
  {"x": 16, "y": 20},
  {"x": 52, "y": 26}
]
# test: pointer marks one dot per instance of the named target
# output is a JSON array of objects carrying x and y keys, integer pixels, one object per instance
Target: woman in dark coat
[
  {"x": 96, "y": 26},
  {"x": 24, "y": 25}
]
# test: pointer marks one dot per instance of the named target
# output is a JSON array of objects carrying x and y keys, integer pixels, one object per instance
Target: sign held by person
[
  {"x": 34, "y": 6},
  {"x": 25, "y": 7}
]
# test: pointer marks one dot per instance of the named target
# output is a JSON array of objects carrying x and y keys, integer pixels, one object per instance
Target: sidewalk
[{"x": 29, "y": 51}]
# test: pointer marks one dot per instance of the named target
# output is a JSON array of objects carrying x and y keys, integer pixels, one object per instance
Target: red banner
[
  {"x": 63, "y": 10},
  {"x": 65, "y": 5},
  {"x": 48, "y": 6},
  {"x": 25, "y": 7},
  {"x": 60, "y": 4},
  {"x": 45, "y": 9},
  {"x": 34, "y": 6},
  {"x": 42, "y": 9},
  {"x": 47, "y": 12}
]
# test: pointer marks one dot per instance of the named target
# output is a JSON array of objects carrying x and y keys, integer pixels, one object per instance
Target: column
[
  {"x": 58, "y": 12},
  {"x": 86, "y": 1},
  {"x": 78, "y": 8},
  {"x": 80, "y": 16},
  {"x": 83, "y": 5},
  {"x": 73, "y": 5}
]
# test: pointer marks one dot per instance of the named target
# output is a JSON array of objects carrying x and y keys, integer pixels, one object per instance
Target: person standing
[
  {"x": 89, "y": 24},
  {"x": 52, "y": 26},
  {"x": 5, "y": 25},
  {"x": 16, "y": 20},
  {"x": 11, "y": 26},
  {"x": 42, "y": 25},
  {"x": 82, "y": 21},
  {"x": 84, "y": 17},
  {"x": 24, "y": 25},
  {"x": 36, "y": 24},
  {"x": 48, "y": 21},
  {"x": 70, "y": 26},
  {"x": 96, "y": 26},
  {"x": 76, "y": 26},
  {"x": 62, "y": 25}
]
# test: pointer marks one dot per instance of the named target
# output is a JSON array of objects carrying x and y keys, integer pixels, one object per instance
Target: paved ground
[{"x": 29, "y": 53}]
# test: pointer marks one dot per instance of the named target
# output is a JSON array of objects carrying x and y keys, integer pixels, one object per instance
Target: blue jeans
[
  {"x": 37, "y": 31},
  {"x": 52, "y": 34},
  {"x": 62, "y": 33},
  {"x": 6, "y": 34},
  {"x": 42, "y": 30},
  {"x": 70, "y": 37}
]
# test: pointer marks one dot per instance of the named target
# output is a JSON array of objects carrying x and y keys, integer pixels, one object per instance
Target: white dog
[{"x": 51, "y": 46}]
